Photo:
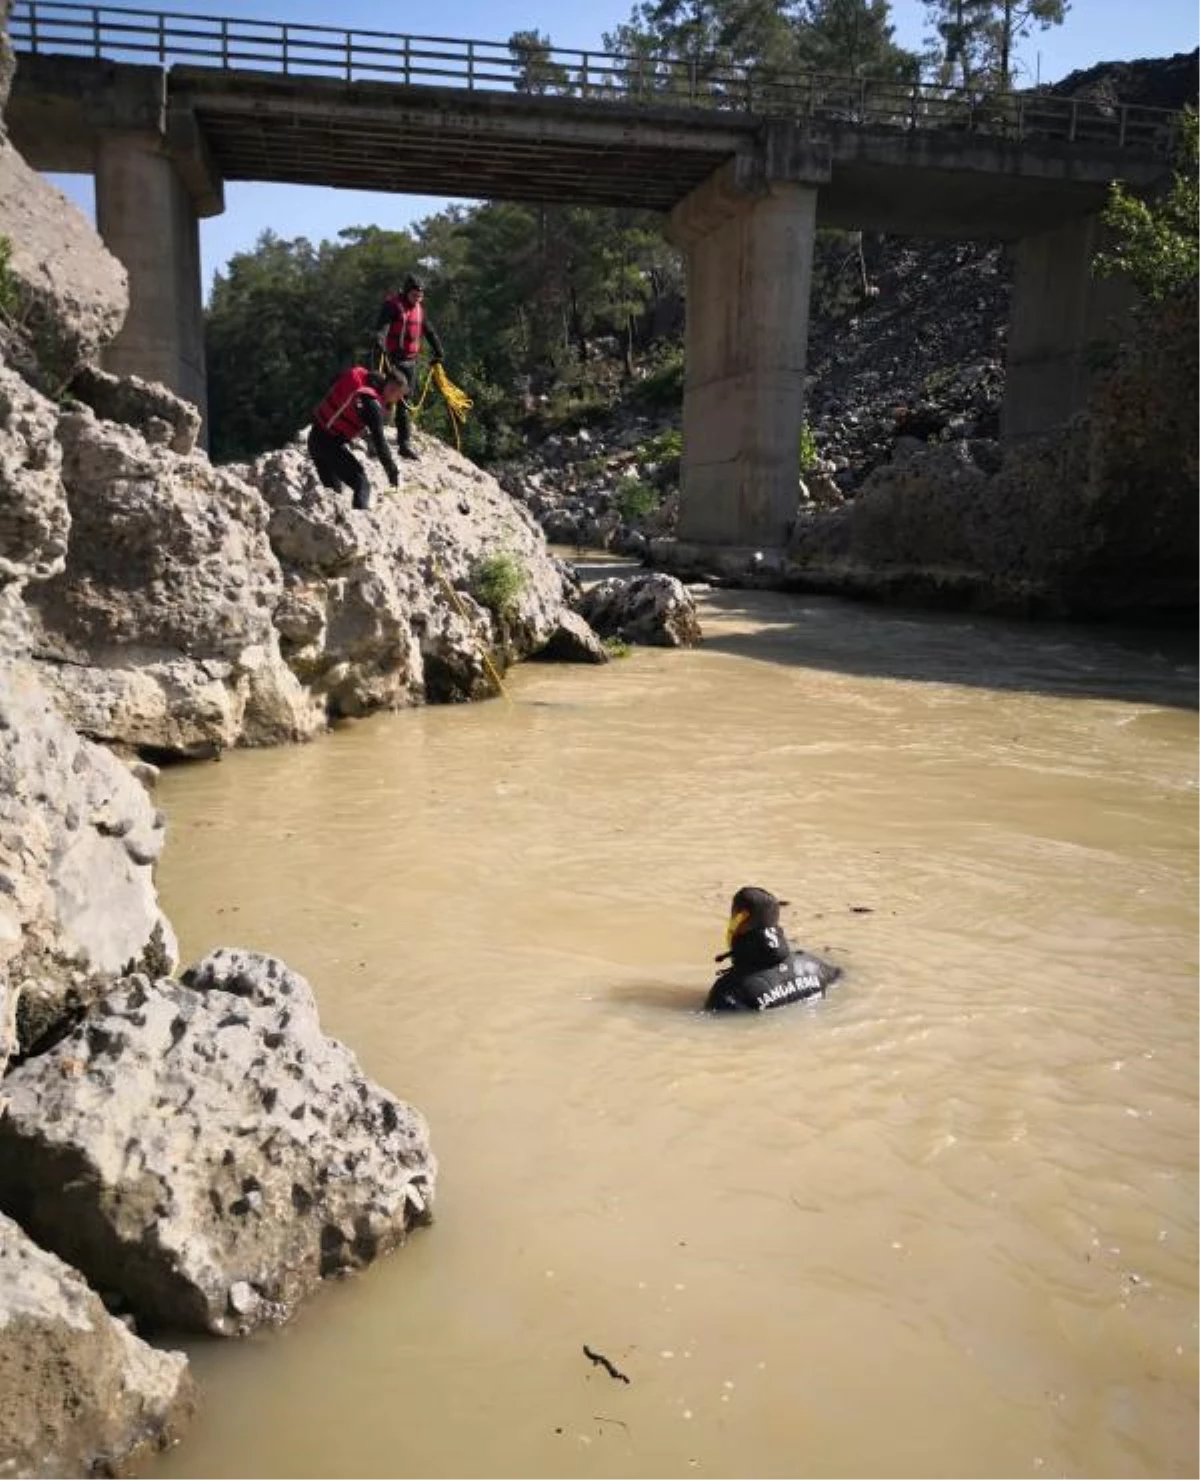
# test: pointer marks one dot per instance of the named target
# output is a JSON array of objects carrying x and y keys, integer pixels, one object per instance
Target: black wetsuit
[{"x": 766, "y": 972}]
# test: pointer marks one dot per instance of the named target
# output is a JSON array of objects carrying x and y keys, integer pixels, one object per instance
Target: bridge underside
[
  {"x": 423, "y": 141},
  {"x": 393, "y": 138}
]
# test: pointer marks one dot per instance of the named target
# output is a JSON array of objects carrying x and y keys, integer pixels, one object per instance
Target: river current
[{"x": 942, "y": 1223}]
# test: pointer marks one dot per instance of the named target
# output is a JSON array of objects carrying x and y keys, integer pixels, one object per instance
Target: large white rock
[
  {"x": 74, "y": 293},
  {"x": 79, "y": 838},
  {"x": 81, "y": 1394},
  {"x": 34, "y": 519},
  {"x": 225, "y": 1156}
]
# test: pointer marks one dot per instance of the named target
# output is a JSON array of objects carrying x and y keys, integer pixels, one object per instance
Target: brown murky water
[{"x": 943, "y": 1223}]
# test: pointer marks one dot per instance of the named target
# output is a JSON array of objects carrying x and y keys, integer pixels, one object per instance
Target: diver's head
[{"x": 752, "y": 909}]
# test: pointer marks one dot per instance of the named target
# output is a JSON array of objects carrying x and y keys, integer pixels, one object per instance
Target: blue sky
[{"x": 1094, "y": 31}]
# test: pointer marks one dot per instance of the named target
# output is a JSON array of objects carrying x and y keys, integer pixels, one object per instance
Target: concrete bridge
[{"x": 744, "y": 166}]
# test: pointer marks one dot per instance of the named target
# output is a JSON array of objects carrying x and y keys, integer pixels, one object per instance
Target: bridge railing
[{"x": 125, "y": 34}]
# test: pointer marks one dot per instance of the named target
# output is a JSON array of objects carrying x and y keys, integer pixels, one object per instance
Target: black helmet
[{"x": 412, "y": 281}]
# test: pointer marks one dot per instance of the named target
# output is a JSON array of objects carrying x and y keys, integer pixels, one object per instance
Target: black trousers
[
  {"x": 337, "y": 466},
  {"x": 407, "y": 368}
]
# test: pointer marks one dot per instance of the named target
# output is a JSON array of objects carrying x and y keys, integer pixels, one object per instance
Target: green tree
[
  {"x": 518, "y": 293},
  {"x": 978, "y": 37},
  {"x": 1155, "y": 242},
  {"x": 283, "y": 320},
  {"x": 702, "y": 48},
  {"x": 853, "y": 37},
  {"x": 539, "y": 73}
]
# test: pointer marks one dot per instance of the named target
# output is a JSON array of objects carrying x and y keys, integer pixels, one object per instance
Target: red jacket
[
  {"x": 338, "y": 412},
  {"x": 405, "y": 330}
]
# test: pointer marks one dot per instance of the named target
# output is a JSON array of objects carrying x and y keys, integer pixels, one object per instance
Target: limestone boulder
[
  {"x": 79, "y": 838},
  {"x": 163, "y": 418},
  {"x": 82, "y": 1394},
  {"x": 158, "y": 631},
  {"x": 202, "y": 1147},
  {"x": 387, "y": 607},
  {"x": 34, "y": 516},
  {"x": 656, "y": 609},
  {"x": 573, "y": 641},
  {"x": 72, "y": 293},
  {"x": 197, "y": 608}
]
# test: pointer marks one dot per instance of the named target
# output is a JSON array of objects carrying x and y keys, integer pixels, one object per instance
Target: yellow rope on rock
[{"x": 462, "y": 611}]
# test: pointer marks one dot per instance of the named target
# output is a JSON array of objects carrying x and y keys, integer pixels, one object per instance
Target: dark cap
[
  {"x": 412, "y": 281},
  {"x": 761, "y": 905}
]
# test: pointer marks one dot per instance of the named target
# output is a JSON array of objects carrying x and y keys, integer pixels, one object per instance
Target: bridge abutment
[
  {"x": 147, "y": 218},
  {"x": 1062, "y": 319},
  {"x": 748, "y": 235}
]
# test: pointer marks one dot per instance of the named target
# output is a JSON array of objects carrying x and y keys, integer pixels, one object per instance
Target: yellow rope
[
  {"x": 458, "y": 403},
  {"x": 462, "y": 611}
]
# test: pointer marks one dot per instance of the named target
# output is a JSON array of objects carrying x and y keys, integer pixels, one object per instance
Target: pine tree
[
  {"x": 853, "y": 37},
  {"x": 977, "y": 37}
]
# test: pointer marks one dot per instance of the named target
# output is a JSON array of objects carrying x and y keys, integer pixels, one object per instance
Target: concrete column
[
  {"x": 1061, "y": 320},
  {"x": 749, "y": 272},
  {"x": 148, "y": 221}
]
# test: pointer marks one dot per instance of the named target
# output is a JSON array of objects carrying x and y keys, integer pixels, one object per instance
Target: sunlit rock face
[
  {"x": 82, "y": 1394},
  {"x": 227, "y": 1155}
]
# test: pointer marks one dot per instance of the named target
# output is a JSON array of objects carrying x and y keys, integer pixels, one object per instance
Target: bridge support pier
[
  {"x": 748, "y": 236},
  {"x": 1061, "y": 321},
  {"x": 147, "y": 218}
]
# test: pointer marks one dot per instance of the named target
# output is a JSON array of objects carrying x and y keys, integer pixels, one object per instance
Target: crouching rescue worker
[
  {"x": 400, "y": 330},
  {"x": 765, "y": 971},
  {"x": 354, "y": 404}
]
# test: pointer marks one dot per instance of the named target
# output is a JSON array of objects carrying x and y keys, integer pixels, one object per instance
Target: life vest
[
  {"x": 767, "y": 972},
  {"x": 338, "y": 412},
  {"x": 405, "y": 330}
]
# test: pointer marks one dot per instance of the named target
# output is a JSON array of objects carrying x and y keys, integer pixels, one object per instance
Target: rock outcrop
[
  {"x": 200, "y": 1147},
  {"x": 73, "y": 292},
  {"x": 655, "y": 609},
  {"x": 1097, "y": 518},
  {"x": 82, "y": 1395},
  {"x": 79, "y": 838},
  {"x": 197, "y": 1149},
  {"x": 182, "y": 609}
]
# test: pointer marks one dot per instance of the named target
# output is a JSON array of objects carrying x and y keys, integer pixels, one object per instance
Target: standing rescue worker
[
  {"x": 400, "y": 328},
  {"x": 353, "y": 404}
]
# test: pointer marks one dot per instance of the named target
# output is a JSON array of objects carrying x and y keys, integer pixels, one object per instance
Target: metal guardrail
[{"x": 121, "y": 34}]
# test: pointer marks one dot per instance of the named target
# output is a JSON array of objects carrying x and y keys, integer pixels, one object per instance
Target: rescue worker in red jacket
[
  {"x": 354, "y": 404},
  {"x": 400, "y": 329}
]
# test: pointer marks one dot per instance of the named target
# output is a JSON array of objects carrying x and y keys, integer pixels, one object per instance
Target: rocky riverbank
[
  {"x": 187, "y": 1151},
  {"x": 904, "y": 491}
]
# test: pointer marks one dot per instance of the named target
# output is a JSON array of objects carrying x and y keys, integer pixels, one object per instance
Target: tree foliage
[
  {"x": 853, "y": 37},
  {"x": 768, "y": 37},
  {"x": 538, "y": 72},
  {"x": 977, "y": 39},
  {"x": 1155, "y": 242},
  {"x": 521, "y": 295},
  {"x": 518, "y": 294}
]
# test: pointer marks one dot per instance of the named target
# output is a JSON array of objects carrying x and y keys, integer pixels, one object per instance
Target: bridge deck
[{"x": 310, "y": 105}]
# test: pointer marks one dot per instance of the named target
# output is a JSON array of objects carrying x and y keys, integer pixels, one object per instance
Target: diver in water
[{"x": 765, "y": 970}]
